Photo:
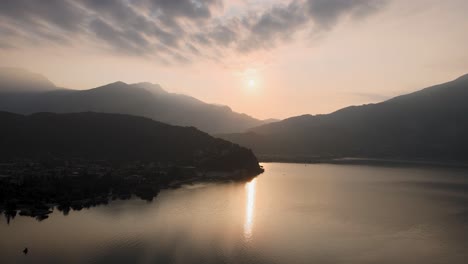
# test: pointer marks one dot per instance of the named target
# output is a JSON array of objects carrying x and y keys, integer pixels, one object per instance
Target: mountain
[
  {"x": 141, "y": 99},
  {"x": 19, "y": 81},
  {"x": 431, "y": 124},
  {"x": 99, "y": 136}
]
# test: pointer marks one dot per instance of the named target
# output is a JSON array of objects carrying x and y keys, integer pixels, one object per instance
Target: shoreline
[
  {"x": 366, "y": 161},
  {"x": 145, "y": 189}
]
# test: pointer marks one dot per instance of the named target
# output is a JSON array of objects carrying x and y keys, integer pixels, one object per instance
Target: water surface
[{"x": 293, "y": 213}]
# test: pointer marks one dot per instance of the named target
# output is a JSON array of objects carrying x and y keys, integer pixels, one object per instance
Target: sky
[{"x": 269, "y": 59}]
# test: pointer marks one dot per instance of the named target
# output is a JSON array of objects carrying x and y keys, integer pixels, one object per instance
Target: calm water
[{"x": 293, "y": 213}]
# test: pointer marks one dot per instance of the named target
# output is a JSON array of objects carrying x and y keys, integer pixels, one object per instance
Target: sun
[{"x": 251, "y": 83}]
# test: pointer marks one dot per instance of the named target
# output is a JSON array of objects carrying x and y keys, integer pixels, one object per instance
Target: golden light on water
[{"x": 249, "y": 208}]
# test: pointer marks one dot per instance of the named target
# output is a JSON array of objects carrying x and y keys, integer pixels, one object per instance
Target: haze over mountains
[
  {"x": 25, "y": 93},
  {"x": 431, "y": 124},
  {"x": 14, "y": 80}
]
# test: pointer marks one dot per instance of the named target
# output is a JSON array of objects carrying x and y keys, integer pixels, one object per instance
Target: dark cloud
[
  {"x": 5, "y": 46},
  {"x": 325, "y": 13},
  {"x": 6, "y": 32},
  {"x": 223, "y": 35},
  {"x": 192, "y": 49},
  {"x": 127, "y": 41},
  {"x": 193, "y": 9},
  {"x": 180, "y": 58},
  {"x": 177, "y": 30},
  {"x": 59, "y": 13},
  {"x": 124, "y": 16},
  {"x": 280, "y": 22}
]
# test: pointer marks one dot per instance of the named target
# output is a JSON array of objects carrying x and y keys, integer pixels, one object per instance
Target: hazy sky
[{"x": 264, "y": 58}]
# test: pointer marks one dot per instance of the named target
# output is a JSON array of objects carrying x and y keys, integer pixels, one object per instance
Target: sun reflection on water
[{"x": 249, "y": 208}]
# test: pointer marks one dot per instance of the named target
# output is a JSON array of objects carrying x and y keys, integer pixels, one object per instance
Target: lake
[{"x": 292, "y": 213}]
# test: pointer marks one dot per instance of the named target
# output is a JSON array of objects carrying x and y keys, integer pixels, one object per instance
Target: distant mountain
[
  {"x": 141, "y": 99},
  {"x": 117, "y": 137},
  {"x": 16, "y": 80},
  {"x": 270, "y": 120},
  {"x": 20, "y": 81},
  {"x": 431, "y": 124}
]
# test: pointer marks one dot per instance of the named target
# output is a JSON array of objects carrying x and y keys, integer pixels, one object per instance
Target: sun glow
[{"x": 251, "y": 83}]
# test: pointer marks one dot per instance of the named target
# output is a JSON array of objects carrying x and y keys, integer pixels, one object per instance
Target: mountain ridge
[
  {"x": 119, "y": 137},
  {"x": 141, "y": 99},
  {"x": 426, "y": 124},
  {"x": 20, "y": 80}
]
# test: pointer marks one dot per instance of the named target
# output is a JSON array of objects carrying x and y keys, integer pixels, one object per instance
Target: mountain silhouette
[
  {"x": 19, "y": 81},
  {"x": 431, "y": 124},
  {"x": 117, "y": 137},
  {"x": 140, "y": 99}
]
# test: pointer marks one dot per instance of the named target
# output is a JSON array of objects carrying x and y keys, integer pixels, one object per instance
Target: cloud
[
  {"x": 193, "y": 9},
  {"x": 128, "y": 41},
  {"x": 58, "y": 13},
  {"x": 325, "y": 13},
  {"x": 279, "y": 22},
  {"x": 173, "y": 30}
]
